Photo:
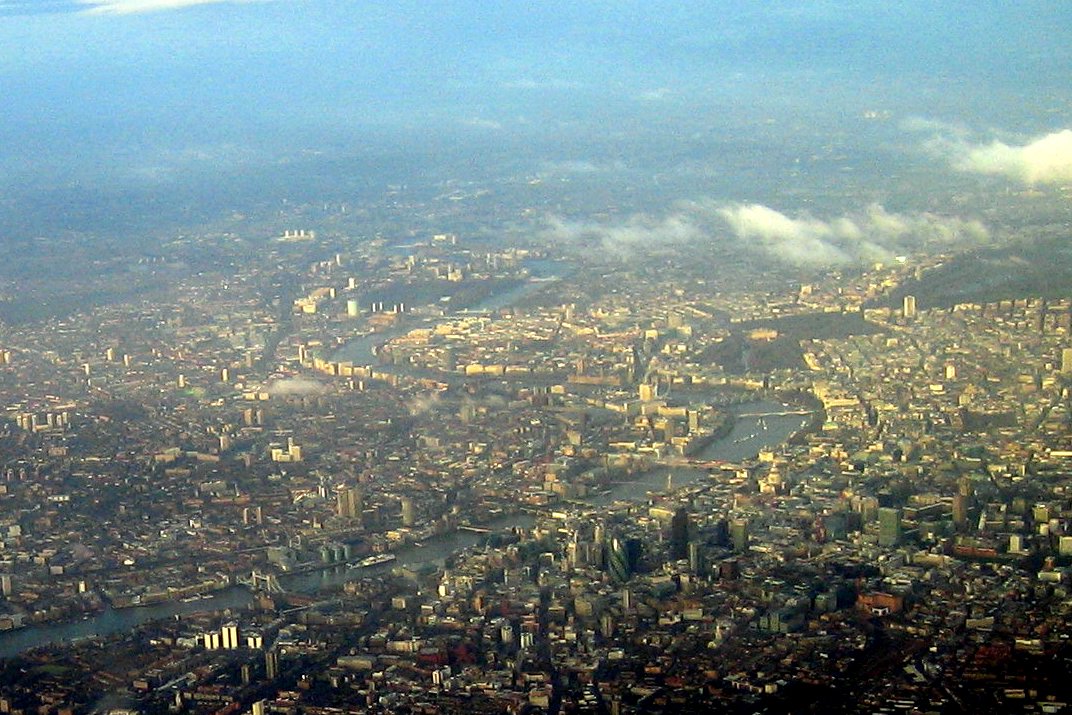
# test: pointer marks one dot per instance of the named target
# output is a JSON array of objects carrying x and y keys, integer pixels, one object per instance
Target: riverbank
[{"x": 744, "y": 440}]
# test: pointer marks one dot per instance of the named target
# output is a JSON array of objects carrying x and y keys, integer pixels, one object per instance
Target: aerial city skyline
[{"x": 612, "y": 358}]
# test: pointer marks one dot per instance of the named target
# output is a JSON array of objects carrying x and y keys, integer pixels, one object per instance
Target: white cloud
[
  {"x": 527, "y": 83},
  {"x": 295, "y": 386},
  {"x": 481, "y": 123},
  {"x": 639, "y": 232},
  {"x": 871, "y": 235},
  {"x": 937, "y": 127},
  {"x": 803, "y": 240},
  {"x": 1041, "y": 160},
  {"x": 570, "y": 166},
  {"x": 169, "y": 165},
  {"x": 1046, "y": 160},
  {"x": 130, "y": 7},
  {"x": 655, "y": 95}
]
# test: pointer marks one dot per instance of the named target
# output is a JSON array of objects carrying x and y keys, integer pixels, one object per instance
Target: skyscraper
[
  {"x": 909, "y": 306},
  {"x": 229, "y": 636},
  {"x": 349, "y": 503},
  {"x": 696, "y": 558},
  {"x": 271, "y": 665},
  {"x": 739, "y": 534},
  {"x": 961, "y": 503},
  {"x": 889, "y": 526},
  {"x": 679, "y": 535},
  {"x": 618, "y": 561}
]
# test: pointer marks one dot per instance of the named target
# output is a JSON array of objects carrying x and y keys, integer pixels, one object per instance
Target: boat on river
[{"x": 374, "y": 560}]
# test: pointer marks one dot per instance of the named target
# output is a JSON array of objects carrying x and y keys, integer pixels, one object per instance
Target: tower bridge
[{"x": 258, "y": 581}]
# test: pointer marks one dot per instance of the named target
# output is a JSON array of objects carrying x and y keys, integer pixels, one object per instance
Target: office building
[
  {"x": 696, "y": 558},
  {"x": 739, "y": 534},
  {"x": 229, "y": 636},
  {"x": 618, "y": 561},
  {"x": 909, "y": 306},
  {"x": 349, "y": 503},
  {"x": 271, "y": 665},
  {"x": 679, "y": 535},
  {"x": 889, "y": 526}
]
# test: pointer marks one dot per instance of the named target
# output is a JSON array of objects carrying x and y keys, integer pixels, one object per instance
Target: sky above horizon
[{"x": 134, "y": 93}]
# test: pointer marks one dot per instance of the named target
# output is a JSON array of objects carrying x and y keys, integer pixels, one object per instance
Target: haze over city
[{"x": 611, "y": 357}]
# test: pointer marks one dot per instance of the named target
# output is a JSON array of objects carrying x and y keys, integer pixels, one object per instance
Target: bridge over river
[
  {"x": 782, "y": 413},
  {"x": 697, "y": 463},
  {"x": 748, "y": 435}
]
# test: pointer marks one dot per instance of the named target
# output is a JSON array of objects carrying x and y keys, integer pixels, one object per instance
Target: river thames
[{"x": 748, "y": 436}]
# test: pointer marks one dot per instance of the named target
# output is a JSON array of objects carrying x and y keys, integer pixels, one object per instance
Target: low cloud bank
[
  {"x": 637, "y": 232},
  {"x": 1040, "y": 160},
  {"x": 873, "y": 234},
  {"x": 1046, "y": 160}
]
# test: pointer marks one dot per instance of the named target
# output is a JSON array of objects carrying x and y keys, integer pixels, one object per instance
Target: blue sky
[
  {"x": 235, "y": 62},
  {"x": 137, "y": 90}
]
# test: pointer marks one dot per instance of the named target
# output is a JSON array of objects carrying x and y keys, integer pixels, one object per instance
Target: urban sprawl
[{"x": 447, "y": 474}]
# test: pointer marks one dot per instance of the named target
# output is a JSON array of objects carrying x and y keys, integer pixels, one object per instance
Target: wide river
[
  {"x": 749, "y": 435},
  {"x": 360, "y": 350}
]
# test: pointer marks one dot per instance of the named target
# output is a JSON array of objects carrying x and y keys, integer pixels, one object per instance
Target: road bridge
[
  {"x": 689, "y": 463},
  {"x": 258, "y": 581},
  {"x": 474, "y": 529}
]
